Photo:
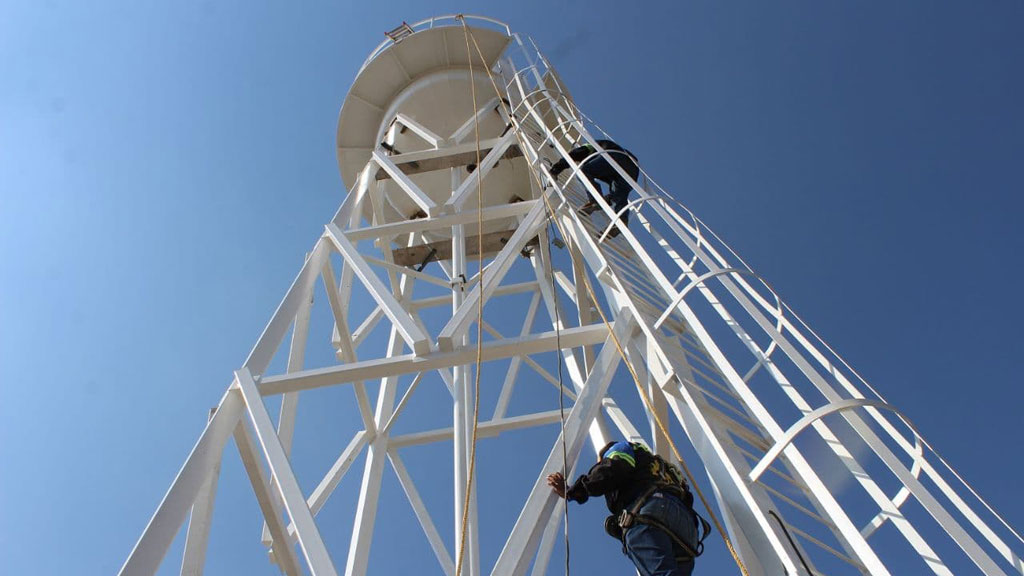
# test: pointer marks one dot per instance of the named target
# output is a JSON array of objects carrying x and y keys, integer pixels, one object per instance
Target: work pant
[
  {"x": 651, "y": 549},
  {"x": 598, "y": 169}
]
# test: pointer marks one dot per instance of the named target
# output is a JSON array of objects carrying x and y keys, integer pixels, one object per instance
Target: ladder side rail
[
  {"x": 563, "y": 152},
  {"x": 851, "y": 389},
  {"x": 964, "y": 540},
  {"x": 765, "y": 543},
  {"x": 641, "y": 253},
  {"x": 724, "y": 427},
  {"x": 875, "y": 492},
  {"x": 911, "y": 449},
  {"x": 851, "y": 534},
  {"x": 831, "y": 369},
  {"x": 592, "y": 254}
]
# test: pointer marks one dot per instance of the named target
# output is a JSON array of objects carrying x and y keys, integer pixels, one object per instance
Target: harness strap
[
  {"x": 632, "y": 514},
  {"x": 644, "y": 519},
  {"x": 639, "y": 502}
]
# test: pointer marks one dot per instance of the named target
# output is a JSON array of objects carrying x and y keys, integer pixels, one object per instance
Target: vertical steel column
[{"x": 461, "y": 413}]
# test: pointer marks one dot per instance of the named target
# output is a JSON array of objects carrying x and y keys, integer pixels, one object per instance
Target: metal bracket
[
  {"x": 460, "y": 282},
  {"x": 399, "y": 32},
  {"x": 426, "y": 260}
]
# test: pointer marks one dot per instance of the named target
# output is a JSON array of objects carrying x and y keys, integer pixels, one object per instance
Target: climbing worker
[
  {"x": 651, "y": 506},
  {"x": 597, "y": 169}
]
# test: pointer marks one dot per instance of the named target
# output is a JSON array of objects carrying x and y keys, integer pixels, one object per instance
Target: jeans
[
  {"x": 652, "y": 550},
  {"x": 598, "y": 169}
]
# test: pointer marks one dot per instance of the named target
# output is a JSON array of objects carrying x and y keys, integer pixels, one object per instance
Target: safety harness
[{"x": 668, "y": 483}]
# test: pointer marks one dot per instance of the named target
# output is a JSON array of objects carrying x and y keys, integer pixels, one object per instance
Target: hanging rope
[
  {"x": 618, "y": 345},
  {"x": 561, "y": 404},
  {"x": 480, "y": 307}
]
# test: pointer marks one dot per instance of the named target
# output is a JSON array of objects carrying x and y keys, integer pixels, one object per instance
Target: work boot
[{"x": 589, "y": 208}]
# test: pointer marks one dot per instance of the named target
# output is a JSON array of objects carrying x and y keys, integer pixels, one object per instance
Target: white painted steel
[
  {"x": 404, "y": 323},
  {"x": 197, "y": 536},
  {"x": 716, "y": 350},
  {"x": 516, "y": 554},
  {"x": 330, "y": 481},
  {"x": 405, "y": 183},
  {"x": 149, "y": 551},
  {"x": 369, "y": 492},
  {"x": 436, "y": 543},
  {"x": 312, "y": 545},
  {"x": 290, "y": 402},
  {"x": 802, "y": 424},
  {"x": 419, "y": 129},
  {"x": 409, "y": 363},
  {"x": 270, "y": 504},
  {"x": 462, "y": 316},
  {"x": 469, "y": 185}
]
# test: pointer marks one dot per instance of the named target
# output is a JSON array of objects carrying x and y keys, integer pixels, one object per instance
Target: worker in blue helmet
[
  {"x": 651, "y": 506},
  {"x": 596, "y": 168}
]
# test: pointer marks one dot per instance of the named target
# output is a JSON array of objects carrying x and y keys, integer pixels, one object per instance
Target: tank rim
[{"x": 432, "y": 22}]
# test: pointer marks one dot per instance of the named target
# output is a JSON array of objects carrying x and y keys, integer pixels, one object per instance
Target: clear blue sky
[{"x": 163, "y": 169}]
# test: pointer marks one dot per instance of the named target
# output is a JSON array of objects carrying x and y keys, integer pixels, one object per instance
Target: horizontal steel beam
[
  {"x": 409, "y": 363},
  {"x": 446, "y": 300},
  {"x": 440, "y": 222},
  {"x": 484, "y": 429},
  {"x": 420, "y": 254},
  {"x": 450, "y": 159},
  {"x": 434, "y": 159}
]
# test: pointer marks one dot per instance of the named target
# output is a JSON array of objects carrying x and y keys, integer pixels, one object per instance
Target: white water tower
[{"x": 444, "y": 142}]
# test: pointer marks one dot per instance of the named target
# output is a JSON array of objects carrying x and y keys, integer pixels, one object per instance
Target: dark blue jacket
[
  {"x": 621, "y": 476},
  {"x": 580, "y": 153}
]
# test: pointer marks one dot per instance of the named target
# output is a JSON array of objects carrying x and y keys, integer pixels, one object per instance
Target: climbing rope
[
  {"x": 618, "y": 345},
  {"x": 561, "y": 406},
  {"x": 480, "y": 306}
]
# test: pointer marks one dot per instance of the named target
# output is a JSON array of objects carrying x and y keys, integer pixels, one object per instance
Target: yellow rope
[
  {"x": 480, "y": 307},
  {"x": 618, "y": 345}
]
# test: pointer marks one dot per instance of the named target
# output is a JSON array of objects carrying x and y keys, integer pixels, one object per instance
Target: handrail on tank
[{"x": 429, "y": 23}]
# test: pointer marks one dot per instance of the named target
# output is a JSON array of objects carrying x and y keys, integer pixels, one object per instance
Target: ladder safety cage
[
  {"x": 813, "y": 471},
  {"x": 550, "y": 124}
]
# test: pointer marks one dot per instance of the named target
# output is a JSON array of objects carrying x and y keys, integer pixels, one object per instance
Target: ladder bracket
[
  {"x": 400, "y": 32},
  {"x": 459, "y": 282}
]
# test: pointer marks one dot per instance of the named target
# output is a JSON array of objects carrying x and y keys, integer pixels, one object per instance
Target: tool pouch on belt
[
  {"x": 611, "y": 526},
  {"x": 616, "y": 526}
]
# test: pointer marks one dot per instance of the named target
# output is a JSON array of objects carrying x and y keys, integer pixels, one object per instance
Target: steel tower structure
[{"x": 445, "y": 139}]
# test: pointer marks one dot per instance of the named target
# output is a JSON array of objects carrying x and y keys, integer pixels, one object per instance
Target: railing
[{"x": 447, "y": 20}]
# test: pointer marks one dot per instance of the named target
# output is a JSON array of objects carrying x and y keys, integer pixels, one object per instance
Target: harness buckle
[{"x": 626, "y": 519}]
